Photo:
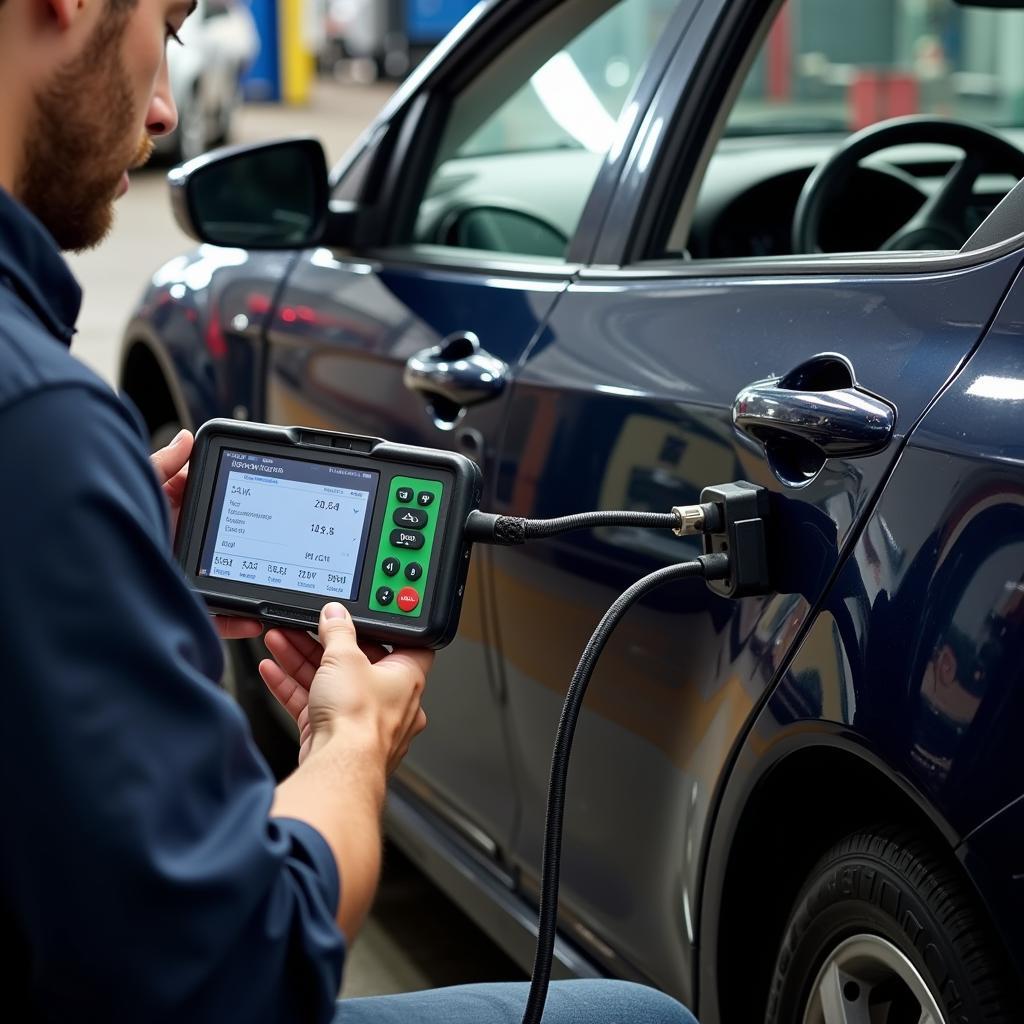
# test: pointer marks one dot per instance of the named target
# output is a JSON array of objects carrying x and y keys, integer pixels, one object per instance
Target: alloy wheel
[{"x": 868, "y": 980}]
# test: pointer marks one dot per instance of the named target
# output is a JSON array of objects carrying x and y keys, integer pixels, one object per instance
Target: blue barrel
[
  {"x": 262, "y": 82},
  {"x": 428, "y": 21}
]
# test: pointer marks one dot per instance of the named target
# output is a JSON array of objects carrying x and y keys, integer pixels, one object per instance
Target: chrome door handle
[
  {"x": 458, "y": 370},
  {"x": 842, "y": 423}
]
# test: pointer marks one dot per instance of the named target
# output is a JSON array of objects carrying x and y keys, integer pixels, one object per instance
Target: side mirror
[{"x": 265, "y": 196}]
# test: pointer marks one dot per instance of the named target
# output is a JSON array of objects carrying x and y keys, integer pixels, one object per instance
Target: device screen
[{"x": 289, "y": 523}]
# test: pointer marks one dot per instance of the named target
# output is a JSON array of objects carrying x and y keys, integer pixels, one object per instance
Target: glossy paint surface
[
  {"x": 912, "y": 661},
  {"x": 203, "y": 315},
  {"x": 338, "y": 344},
  {"x": 994, "y": 856},
  {"x": 626, "y": 402}
]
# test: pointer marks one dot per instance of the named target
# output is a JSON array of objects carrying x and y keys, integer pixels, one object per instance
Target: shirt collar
[{"x": 32, "y": 265}]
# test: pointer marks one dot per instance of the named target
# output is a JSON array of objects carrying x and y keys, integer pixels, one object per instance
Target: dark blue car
[{"x": 637, "y": 248}]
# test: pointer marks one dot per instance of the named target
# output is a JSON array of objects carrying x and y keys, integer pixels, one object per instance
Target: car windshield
[{"x": 828, "y": 66}]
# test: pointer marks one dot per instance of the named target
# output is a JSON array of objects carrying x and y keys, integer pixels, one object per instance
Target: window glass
[
  {"x": 524, "y": 142},
  {"x": 827, "y": 69}
]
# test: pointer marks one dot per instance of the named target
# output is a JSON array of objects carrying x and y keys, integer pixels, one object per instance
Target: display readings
[{"x": 289, "y": 523}]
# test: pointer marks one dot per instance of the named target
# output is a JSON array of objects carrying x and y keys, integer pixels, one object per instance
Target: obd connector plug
[{"x": 738, "y": 532}]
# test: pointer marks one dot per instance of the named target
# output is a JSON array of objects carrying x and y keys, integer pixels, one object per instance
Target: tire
[{"x": 886, "y": 930}]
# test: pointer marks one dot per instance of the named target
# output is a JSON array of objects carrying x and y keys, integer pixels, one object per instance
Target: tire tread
[{"x": 991, "y": 992}]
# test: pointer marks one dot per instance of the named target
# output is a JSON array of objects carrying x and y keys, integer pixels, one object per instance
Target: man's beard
[{"x": 80, "y": 142}]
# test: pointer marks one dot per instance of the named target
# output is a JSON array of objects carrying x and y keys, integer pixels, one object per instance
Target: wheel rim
[{"x": 867, "y": 980}]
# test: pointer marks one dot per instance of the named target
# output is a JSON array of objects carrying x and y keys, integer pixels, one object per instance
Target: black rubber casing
[{"x": 448, "y": 567}]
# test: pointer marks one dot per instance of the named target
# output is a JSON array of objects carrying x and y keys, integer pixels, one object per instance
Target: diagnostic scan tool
[{"x": 277, "y": 521}]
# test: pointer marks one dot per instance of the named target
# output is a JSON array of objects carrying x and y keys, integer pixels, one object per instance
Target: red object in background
[
  {"x": 779, "y": 59},
  {"x": 877, "y": 95}
]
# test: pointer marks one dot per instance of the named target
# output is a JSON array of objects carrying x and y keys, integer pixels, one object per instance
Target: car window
[
  {"x": 523, "y": 142},
  {"x": 824, "y": 70}
]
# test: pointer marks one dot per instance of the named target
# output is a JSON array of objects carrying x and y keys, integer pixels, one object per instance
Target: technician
[{"x": 150, "y": 871}]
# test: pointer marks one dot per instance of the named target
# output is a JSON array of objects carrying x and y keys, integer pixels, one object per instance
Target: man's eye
[{"x": 171, "y": 34}]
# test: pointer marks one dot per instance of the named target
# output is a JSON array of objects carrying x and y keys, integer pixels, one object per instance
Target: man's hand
[
  {"x": 171, "y": 466},
  {"x": 358, "y": 710},
  {"x": 346, "y": 687}
]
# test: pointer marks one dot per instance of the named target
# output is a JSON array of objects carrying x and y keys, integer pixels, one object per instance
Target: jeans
[{"x": 589, "y": 1001}]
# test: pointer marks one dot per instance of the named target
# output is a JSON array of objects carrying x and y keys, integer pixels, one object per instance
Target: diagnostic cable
[{"x": 732, "y": 519}]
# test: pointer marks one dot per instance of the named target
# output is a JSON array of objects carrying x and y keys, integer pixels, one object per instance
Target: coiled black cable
[{"x": 709, "y": 566}]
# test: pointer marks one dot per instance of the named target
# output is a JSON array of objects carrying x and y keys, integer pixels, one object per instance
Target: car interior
[{"x": 891, "y": 125}]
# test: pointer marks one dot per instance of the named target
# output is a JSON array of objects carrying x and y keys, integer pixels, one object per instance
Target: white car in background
[{"x": 220, "y": 42}]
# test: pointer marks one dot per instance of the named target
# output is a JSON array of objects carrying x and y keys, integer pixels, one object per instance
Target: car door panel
[
  {"x": 341, "y": 335},
  {"x": 625, "y": 402}
]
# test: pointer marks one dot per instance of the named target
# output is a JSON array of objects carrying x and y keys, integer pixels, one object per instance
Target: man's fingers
[
  {"x": 338, "y": 636},
  {"x": 308, "y": 646},
  {"x": 420, "y": 723},
  {"x": 374, "y": 652},
  {"x": 292, "y": 697},
  {"x": 230, "y": 628},
  {"x": 405, "y": 659},
  {"x": 174, "y": 488},
  {"x": 290, "y": 658},
  {"x": 168, "y": 461}
]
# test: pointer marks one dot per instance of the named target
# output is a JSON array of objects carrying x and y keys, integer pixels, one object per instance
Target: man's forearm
[{"x": 339, "y": 790}]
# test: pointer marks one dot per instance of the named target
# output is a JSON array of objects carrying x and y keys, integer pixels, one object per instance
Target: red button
[{"x": 407, "y": 599}]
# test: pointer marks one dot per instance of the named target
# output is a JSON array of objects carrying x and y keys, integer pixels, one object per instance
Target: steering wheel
[{"x": 941, "y": 223}]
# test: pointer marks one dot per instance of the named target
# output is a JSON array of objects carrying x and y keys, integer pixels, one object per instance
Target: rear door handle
[
  {"x": 820, "y": 404},
  {"x": 458, "y": 371}
]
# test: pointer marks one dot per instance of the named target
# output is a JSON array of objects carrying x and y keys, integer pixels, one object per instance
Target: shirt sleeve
[{"x": 138, "y": 866}]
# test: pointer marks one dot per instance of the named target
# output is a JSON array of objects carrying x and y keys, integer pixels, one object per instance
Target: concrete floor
[{"x": 415, "y": 938}]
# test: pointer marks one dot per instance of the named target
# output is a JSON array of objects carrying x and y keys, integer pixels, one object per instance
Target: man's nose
[{"x": 162, "y": 116}]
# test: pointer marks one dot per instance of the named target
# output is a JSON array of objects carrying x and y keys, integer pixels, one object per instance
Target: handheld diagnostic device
[{"x": 277, "y": 521}]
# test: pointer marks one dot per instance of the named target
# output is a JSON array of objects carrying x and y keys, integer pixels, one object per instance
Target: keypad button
[
  {"x": 407, "y": 539},
  {"x": 404, "y": 495},
  {"x": 390, "y": 566},
  {"x": 410, "y": 518},
  {"x": 385, "y": 595},
  {"x": 425, "y": 498},
  {"x": 413, "y": 571},
  {"x": 408, "y": 599}
]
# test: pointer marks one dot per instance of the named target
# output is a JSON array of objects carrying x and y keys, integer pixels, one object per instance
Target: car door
[
  {"x": 475, "y": 214},
  {"x": 626, "y": 400}
]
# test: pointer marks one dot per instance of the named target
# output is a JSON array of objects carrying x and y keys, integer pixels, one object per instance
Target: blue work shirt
[{"x": 141, "y": 877}]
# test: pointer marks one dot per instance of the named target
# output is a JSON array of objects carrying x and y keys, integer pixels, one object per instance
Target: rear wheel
[{"x": 886, "y": 931}]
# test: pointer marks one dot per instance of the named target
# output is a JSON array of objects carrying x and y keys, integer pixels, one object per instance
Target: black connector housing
[{"x": 742, "y": 535}]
